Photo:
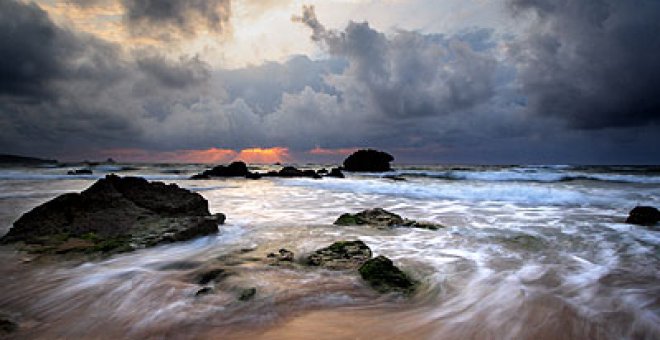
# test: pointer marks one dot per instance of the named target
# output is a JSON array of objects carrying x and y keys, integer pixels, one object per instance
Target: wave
[{"x": 528, "y": 175}]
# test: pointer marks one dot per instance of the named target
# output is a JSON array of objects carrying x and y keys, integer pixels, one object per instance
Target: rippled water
[{"x": 528, "y": 253}]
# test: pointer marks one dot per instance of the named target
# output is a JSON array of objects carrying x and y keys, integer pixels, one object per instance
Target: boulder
[
  {"x": 382, "y": 219},
  {"x": 341, "y": 255},
  {"x": 643, "y": 215},
  {"x": 235, "y": 169},
  {"x": 115, "y": 214},
  {"x": 383, "y": 276},
  {"x": 368, "y": 160}
]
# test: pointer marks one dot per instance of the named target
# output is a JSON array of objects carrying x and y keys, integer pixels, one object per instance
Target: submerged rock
[
  {"x": 247, "y": 294},
  {"x": 283, "y": 255},
  {"x": 212, "y": 275},
  {"x": 368, "y": 160},
  {"x": 382, "y": 219},
  {"x": 341, "y": 255},
  {"x": 204, "y": 291},
  {"x": 7, "y": 324},
  {"x": 115, "y": 214},
  {"x": 643, "y": 215},
  {"x": 383, "y": 276}
]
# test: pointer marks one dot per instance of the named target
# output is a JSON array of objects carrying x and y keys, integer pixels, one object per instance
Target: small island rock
[
  {"x": 383, "y": 276},
  {"x": 368, "y": 160}
]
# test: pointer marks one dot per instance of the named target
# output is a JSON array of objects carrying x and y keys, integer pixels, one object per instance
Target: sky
[{"x": 430, "y": 81}]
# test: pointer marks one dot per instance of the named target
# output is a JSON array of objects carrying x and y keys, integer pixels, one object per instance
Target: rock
[
  {"x": 394, "y": 178},
  {"x": 253, "y": 175},
  {"x": 7, "y": 324},
  {"x": 335, "y": 172},
  {"x": 115, "y": 214},
  {"x": 322, "y": 171},
  {"x": 247, "y": 294},
  {"x": 368, "y": 160},
  {"x": 235, "y": 169},
  {"x": 643, "y": 215},
  {"x": 214, "y": 275},
  {"x": 204, "y": 291},
  {"x": 80, "y": 172},
  {"x": 283, "y": 255},
  {"x": 382, "y": 219},
  {"x": 341, "y": 255},
  {"x": 289, "y": 171},
  {"x": 383, "y": 276}
]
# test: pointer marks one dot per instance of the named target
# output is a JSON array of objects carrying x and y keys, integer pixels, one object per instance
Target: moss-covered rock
[
  {"x": 382, "y": 219},
  {"x": 383, "y": 276},
  {"x": 115, "y": 214},
  {"x": 341, "y": 255}
]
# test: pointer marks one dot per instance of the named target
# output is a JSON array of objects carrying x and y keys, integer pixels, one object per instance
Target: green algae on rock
[
  {"x": 383, "y": 276},
  {"x": 341, "y": 255},
  {"x": 382, "y": 219}
]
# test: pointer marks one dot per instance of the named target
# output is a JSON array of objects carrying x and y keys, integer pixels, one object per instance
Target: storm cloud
[
  {"x": 593, "y": 64},
  {"x": 163, "y": 19}
]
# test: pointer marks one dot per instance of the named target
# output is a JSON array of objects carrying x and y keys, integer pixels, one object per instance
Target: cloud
[
  {"x": 592, "y": 64},
  {"x": 167, "y": 19},
  {"x": 408, "y": 74}
]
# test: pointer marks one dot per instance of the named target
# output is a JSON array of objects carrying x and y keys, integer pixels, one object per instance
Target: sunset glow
[{"x": 264, "y": 156}]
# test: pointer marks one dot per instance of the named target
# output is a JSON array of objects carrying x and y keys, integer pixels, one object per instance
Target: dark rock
[
  {"x": 235, "y": 169},
  {"x": 341, "y": 255},
  {"x": 253, "y": 175},
  {"x": 382, "y": 219},
  {"x": 204, "y": 291},
  {"x": 117, "y": 214},
  {"x": 643, "y": 215},
  {"x": 80, "y": 172},
  {"x": 322, "y": 171},
  {"x": 215, "y": 275},
  {"x": 394, "y": 178},
  {"x": 283, "y": 255},
  {"x": 7, "y": 324},
  {"x": 247, "y": 294},
  {"x": 368, "y": 160},
  {"x": 335, "y": 172},
  {"x": 383, "y": 276}
]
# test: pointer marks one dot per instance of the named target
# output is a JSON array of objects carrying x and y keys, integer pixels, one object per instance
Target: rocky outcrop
[
  {"x": 643, "y": 215},
  {"x": 335, "y": 172},
  {"x": 235, "y": 169},
  {"x": 383, "y": 276},
  {"x": 115, "y": 214},
  {"x": 341, "y": 255},
  {"x": 368, "y": 160},
  {"x": 382, "y": 219},
  {"x": 289, "y": 171}
]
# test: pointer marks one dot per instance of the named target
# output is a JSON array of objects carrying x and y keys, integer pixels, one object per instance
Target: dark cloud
[
  {"x": 180, "y": 74},
  {"x": 594, "y": 63},
  {"x": 409, "y": 74},
  {"x": 164, "y": 19}
]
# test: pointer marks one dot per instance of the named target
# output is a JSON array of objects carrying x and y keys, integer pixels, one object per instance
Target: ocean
[{"x": 527, "y": 252}]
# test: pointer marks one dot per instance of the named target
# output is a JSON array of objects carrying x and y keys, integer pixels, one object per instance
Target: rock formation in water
[
  {"x": 383, "y": 276},
  {"x": 115, "y": 214},
  {"x": 239, "y": 169},
  {"x": 382, "y": 219},
  {"x": 235, "y": 169},
  {"x": 341, "y": 255},
  {"x": 368, "y": 160},
  {"x": 643, "y": 215},
  {"x": 80, "y": 172}
]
